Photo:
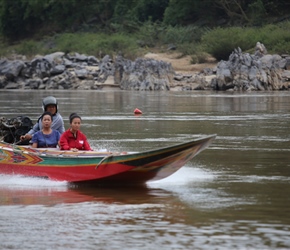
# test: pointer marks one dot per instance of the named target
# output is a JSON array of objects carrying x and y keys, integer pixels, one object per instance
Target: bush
[
  {"x": 190, "y": 40},
  {"x": 149, "y": 34},
  {"x": 26, "y": 47},
  {"x": 84, "y": 43},
  {"x": 220, "y": 42},
  {"x": 97, "y": 44},
  {"x": 276, "y": 38},
  {"x": 187, "y": 48},
  {"x": 182, "y": 35}
]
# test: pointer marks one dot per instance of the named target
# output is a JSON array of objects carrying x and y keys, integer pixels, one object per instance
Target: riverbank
[
  {"x": 242, "y": 71},
  {"x": 154, "y": 71},
  {"x": 182, "y": 66}
]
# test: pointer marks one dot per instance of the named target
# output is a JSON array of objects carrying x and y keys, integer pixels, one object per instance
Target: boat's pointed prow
[{"x": 159, "y": 163}]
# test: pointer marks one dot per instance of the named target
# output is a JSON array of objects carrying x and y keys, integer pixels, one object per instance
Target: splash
[
  {"x": 183, "y": 177},
  {"x": 18, "y": 181}
]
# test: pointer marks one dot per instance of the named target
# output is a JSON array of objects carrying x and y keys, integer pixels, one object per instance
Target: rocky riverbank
[
  {"x": 76, "y": 71},
  {"x": 242, "y": 72}
]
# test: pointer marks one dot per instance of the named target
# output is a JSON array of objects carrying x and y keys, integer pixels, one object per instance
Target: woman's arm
[
  {"x": 87, "y": 145},
  {"x": 31, "y": 132},
  {"x": 63, "y": 142},
  {"x": 34, "y": 140}
]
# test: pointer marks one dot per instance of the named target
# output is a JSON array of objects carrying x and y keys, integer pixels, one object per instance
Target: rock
[
  {"x": 12, "y": 85},
  {"x": 243, "y": 71},
  {"x": 68, "y": 63},
  {"x": 260, "y": 49},
  {"x": 54, "y": 58},
  {"x": 3, "y": 81},
  {"x": 93, "y": 61},
  {"x": 247, "y": 60},
  {"x": 178, "y": 77},
  {"x": 33, "y": 83},
  {"x": 143, "y": 74},
  {"x": 207, "y": 71},
  {"x": 287, "y": 65},
  {"x": 286, "y": 75},
  {"x": 282, "y": 63},
  {"x": 40, "y": 67},
  {"x": 171, "y": 47},
  {"x": 58, "y": 69},
  {"x": 11, "y": 70},
  {"x": 81, "y": 73},
  {"x": 80, "y": 58},
  {"x": 253, "y": 72},
  {"x": 250, "y": 72}
]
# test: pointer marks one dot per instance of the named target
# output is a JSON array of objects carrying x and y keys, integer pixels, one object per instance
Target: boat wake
[
  {"x": 187, "y": 175},
  {"x": 184, "y": 176},
  {"x": 18, "y": 181}
]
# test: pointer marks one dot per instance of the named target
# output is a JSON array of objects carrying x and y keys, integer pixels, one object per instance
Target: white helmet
[{"x": 50, "y": 100}]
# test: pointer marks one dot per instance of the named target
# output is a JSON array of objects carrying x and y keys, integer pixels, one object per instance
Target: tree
[
  {"x": 184, "y": 12},
  {"x": 234, "y": 8},
  {"x": 11, "y": 18},
  {"x": 153, "y": 10}
]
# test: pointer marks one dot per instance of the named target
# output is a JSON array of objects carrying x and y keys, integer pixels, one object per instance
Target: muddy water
[{"x": 234, "y": 195}]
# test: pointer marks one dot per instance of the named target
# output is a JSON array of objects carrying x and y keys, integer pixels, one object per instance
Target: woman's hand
[
  {"x": 25, "y": 137},
  {"x": 74, "y": 149}
]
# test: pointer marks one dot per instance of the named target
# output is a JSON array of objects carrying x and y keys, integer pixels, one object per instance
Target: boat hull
[
  {"x": 157, "y": 164},
  {"x": 99, "y": 168}
]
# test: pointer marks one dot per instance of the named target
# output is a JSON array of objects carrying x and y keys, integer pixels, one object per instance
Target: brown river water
[{"x": 233, "y": 195}]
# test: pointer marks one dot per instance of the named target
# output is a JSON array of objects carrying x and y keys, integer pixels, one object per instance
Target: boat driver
[{"x": 49, "y": 104}]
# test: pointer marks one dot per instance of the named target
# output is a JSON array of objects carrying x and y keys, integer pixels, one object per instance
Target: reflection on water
[
  {"x": 19, "y": 190},
  {"x": 192, "y": 208},
  {"x": 234, "y": 195}
]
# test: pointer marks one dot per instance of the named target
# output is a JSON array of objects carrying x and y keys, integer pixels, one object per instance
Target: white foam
[
  {"x": 184, "y": 176},
  {"x": 18, "y": 181}
]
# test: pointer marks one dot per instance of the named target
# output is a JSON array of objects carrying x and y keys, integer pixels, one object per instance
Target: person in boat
[
  {"x": 73, "y": 139},
  {"x": 49, "y": 104},
  {"x": 46, "y": 137}
]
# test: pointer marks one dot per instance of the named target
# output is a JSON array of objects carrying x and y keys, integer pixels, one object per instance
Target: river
[{"x": 233, "y": 195}]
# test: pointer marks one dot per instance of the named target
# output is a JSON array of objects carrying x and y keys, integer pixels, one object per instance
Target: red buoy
[{"x": 137, "y": 112}]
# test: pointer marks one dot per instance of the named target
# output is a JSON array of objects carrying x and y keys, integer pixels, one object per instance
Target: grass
[
  {"x": 191, "y": 40},
  {"x": 220, "y": 42}
]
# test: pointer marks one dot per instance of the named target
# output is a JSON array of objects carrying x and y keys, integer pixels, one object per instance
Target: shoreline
[
  {"x": 182, "y": 64},
  {"x": 168, "y": 71}
]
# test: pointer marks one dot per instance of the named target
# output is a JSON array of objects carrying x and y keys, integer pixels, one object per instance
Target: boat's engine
[{"x": 12, "y": 129}]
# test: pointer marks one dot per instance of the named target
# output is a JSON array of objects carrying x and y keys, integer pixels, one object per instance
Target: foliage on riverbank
[
  {"x": 220, "y": 42},
  {"x": 188, "y": 40}
]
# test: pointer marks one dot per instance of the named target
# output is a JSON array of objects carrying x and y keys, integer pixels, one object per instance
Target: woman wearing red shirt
[{"x": 73, "y": 139}]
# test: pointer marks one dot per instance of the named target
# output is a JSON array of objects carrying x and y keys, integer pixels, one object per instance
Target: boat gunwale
[
  {"x": 46, "y": 153},
  {"x": 134, "y": 161}
]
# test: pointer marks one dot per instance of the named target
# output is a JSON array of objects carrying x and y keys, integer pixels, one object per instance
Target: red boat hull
[{"x": 99, "y": 168}]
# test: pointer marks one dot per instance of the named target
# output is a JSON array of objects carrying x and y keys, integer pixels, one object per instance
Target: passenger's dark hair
[
  {"x": 72, "y": 116},
  {"x": 46, "y": 113}
]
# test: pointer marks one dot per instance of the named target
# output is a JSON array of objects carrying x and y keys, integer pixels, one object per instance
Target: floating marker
[{"x": 137, "y": 112}]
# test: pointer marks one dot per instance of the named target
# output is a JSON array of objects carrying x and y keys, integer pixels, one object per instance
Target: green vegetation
[
  {"x": 96, "y": 44},
  {"x": 220, "y": 42},
  {"x": 98, "y": 27}
]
